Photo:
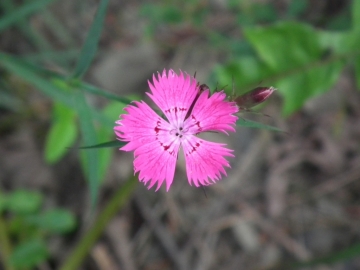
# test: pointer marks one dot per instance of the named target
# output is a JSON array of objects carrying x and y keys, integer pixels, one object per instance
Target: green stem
[
  {"x": 5, "y": 245},
  {"x": 82, "y": 249}
]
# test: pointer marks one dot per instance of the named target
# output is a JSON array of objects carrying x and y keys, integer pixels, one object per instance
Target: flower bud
[{"x": 254, "y": 97}]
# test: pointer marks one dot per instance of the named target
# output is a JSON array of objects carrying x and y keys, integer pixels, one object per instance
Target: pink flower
[{"x": 189, "y": 110}]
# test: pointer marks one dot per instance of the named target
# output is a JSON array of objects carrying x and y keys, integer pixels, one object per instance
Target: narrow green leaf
[
  {"x": 29, "y": 254},
  {"x": 252, "y": 124},
  {"x": 90, "y": 47},
  {"x": 33, "y": 34},
  {"x": 54, "y": 221},
  {"x": 31, "y": 75},
  {"x": 51, "y": 88},
  {"x": 28, "y": 64},
  {"x": 111, "y": 144},
  {"x": 62, "y": 133},
  {"x": 89, "y": 137},
  {"x": 21, "y": 12},
  {"x": 100, "y": 92},
  {"x": 106, "y": 153},
  {"x": 104, "y": 134}
]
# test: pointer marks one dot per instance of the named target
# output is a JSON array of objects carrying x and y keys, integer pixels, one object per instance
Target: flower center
[{"x": 178, "y": 132}]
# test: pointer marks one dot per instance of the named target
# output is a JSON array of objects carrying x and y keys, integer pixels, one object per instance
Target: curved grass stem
[{"x": 119, "y": 199}]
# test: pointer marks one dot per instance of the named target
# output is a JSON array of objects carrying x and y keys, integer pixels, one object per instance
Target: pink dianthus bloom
[{"x": 189, "y": 110}]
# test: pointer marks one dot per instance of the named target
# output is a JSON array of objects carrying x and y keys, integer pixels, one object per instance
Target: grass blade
[
  {"x": 90, "y": 47},
  {"x": 104, "y": 145},
  {"x": 252, "y": 124},
  {"x": 114, "y": 205},
  {"x": 31, "y": 75},
  {"x": 55, "y": 56},
  {"x": 21, "y": 12},
  {"x": 51, "y": 87},
  {"x": 89, "y": 137},
  {"x": 100, "y": 92}
]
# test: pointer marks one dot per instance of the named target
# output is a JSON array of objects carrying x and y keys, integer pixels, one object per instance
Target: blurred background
[{"x": 290, "y": 200}]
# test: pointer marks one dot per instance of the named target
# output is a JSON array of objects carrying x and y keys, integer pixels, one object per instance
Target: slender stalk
[
  {"x": 5, "y": 245},
  {"x": 82, "y": 249}
]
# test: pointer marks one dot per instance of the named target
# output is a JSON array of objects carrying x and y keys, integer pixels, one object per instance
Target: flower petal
[
  {"x": 140, "y": 126},
  {"x": 156, "y": 164},
  {"x": 205, "y": 160},
  {"x": 155, "y": 149},
  {"x": 212, "y": 113},
  {"x": 173, "y": 94}
]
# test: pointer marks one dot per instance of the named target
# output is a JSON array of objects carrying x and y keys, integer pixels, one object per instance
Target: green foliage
[
  {"x": 53, "y": 221},
  {"x": 90, "y": 47},
  {"x": 196, "y": 12},
  {"x": 3, "y": 202},
  {"x": 30, "y": 227},
  {"x": 356, "y": 29},
  {"x": 59, "y": 88},
  {"x": 83, "y": 109},
  {"x": 23, "y": 202},
  {"x": 357, "y": 70},
  {"x": 290, "y": 47},
  {"x": 104, "y": 134},
  {"x": 29, "y": 254},
  {"x": 298, "y": 60},
  {"x": 30, "y": 74},
  {"x": 252, "y": 124},
  {"x": 285, "y": 45},
  {"x": 296, "y": 8},
  {"x": 110, "y": 144},
  {"x": 62, "y": 133},
  {"x": 168, "y": 14},
  {"x": 356, "y": 16},
  {"x": 339, "y": 23},
  {"x": 100, "y": 92},
  {"x": 89, "y": 136},
  {"x": 173, "y": 13},
  {"x": 20, "y": 13},
  {"x": 250, "y": 14},
  {"x": 112, "y": 111},
  {"x": 81, "y": 251}
]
